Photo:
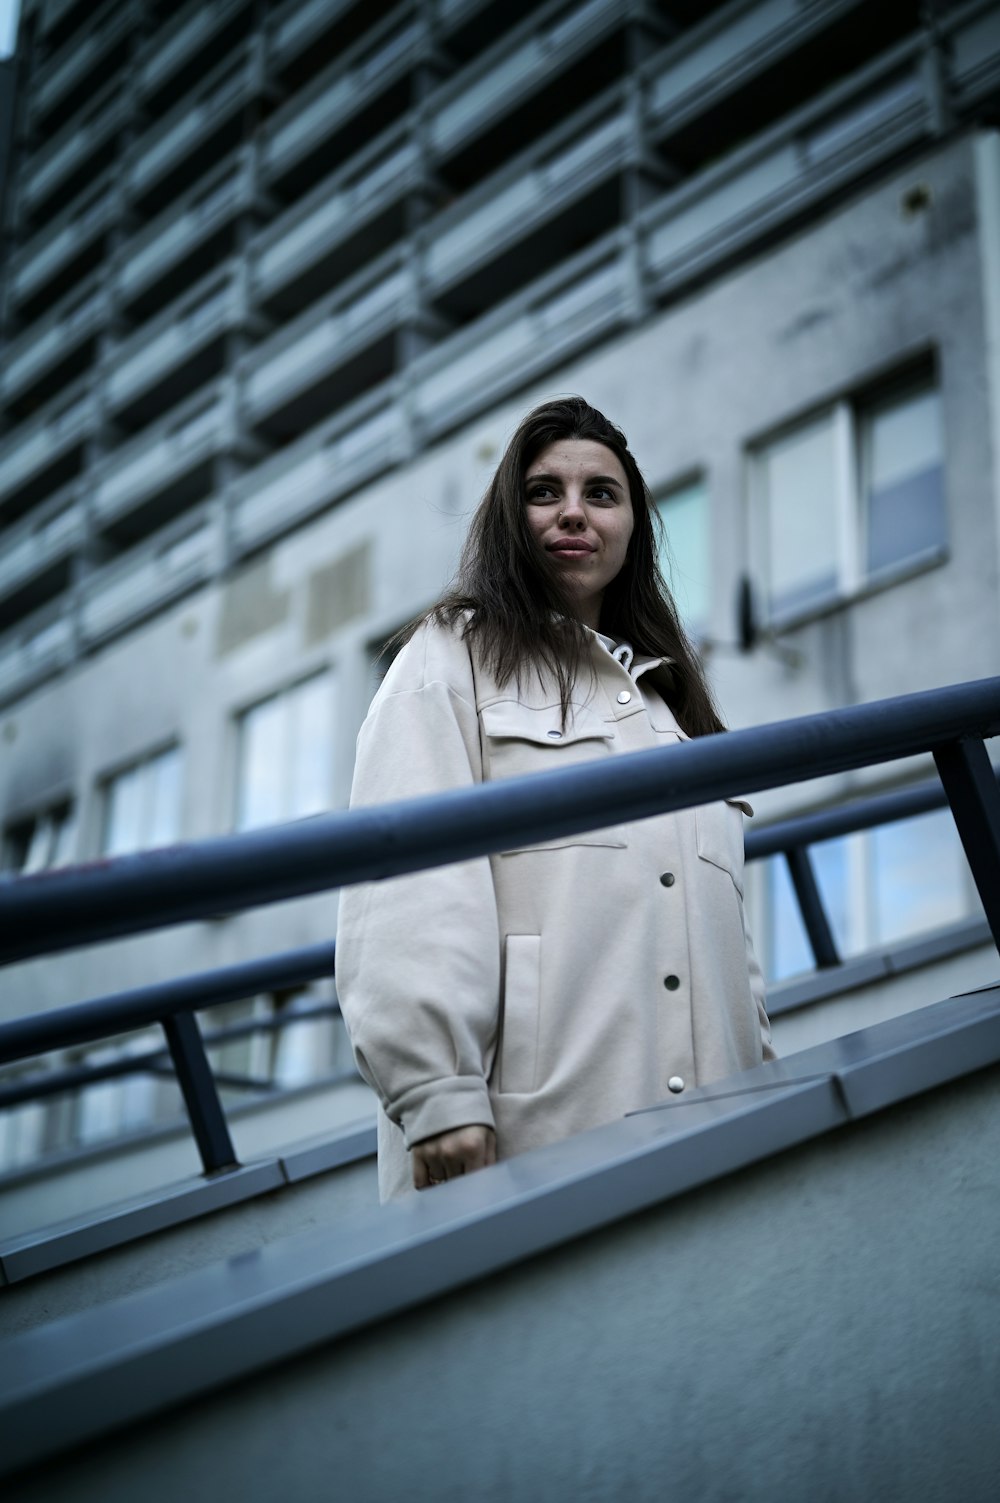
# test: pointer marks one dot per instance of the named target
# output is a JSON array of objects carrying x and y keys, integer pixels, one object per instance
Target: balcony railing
[
  {"x": 206, "y": 122},
  {"x": 343, "y": 208},
  {"x": 71, "y": 70},
  {"x": 44, "y": 446},
  {"x": 51, "y": 341},
  {"x": 171, "y": 458},
  {"x": 59, "y": 910},
  {"x": 196, "y": 32},
  {"x": 47, "y": 536},
  {"x": 52, "y": 252},
  {"x": 380, "y": 59},
  {"x": 329, "y": 336},
  {"x": 69, "y": 155},
  {"x": 356, "y": 444},
  {"x": 190, "y": 227},
  {"x": 177, "y": 339},
  {"x": 167, "y": 566}
]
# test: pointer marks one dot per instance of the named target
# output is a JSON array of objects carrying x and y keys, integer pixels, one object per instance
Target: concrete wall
[{"x": 824, "y": 1327}]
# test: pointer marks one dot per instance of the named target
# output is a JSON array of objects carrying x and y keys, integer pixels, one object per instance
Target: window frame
[
  {"x": 122, "y": 769},
  {"x": 850, "y": 416},
  {"x": 57, "y": 814},
  {"x": 698, "y": 627},
  {"x": 238, "y": 715}
]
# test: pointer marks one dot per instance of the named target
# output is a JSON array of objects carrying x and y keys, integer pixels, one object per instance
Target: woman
[{"x": 500, "y": 1004}]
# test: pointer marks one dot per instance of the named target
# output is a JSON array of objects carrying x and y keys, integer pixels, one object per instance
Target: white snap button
[
  {"x": 675, "y": 1084},
  {"x": 624, "y": 697},
  {"x": 556, "y": 735}
]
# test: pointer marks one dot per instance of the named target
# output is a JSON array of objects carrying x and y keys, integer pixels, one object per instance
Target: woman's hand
[{"x": 453, "y": 1153}]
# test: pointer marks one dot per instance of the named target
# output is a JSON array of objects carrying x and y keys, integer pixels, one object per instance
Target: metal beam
[
  {"x": 80, "y": 905},
  {"x": 812, "y": 908},
  {"x": 968, "y": 779},
  {"x": 194, "y": 1076}
]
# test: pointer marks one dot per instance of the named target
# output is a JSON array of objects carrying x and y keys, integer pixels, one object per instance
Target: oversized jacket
[{"x": 560, "y": 984}]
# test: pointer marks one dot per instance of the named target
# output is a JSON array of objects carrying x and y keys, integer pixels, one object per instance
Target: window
[
  {"x": 142, "y": 805},
  {"x": 285, "y": 755},
  {"x": 879, "y": 887},
  {"x": 43, "y": 840},
  {"x": 685, "y": 559},
  {"x": 852, "y": 494}
]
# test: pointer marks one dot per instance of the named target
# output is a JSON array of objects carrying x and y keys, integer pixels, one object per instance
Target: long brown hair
[{"x": 508, "y": 597}]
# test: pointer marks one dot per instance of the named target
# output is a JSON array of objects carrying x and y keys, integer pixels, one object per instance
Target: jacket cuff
[{"x": 442, "y": 1106}]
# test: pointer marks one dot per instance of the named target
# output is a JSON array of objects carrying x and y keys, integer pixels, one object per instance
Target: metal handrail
[
  {"x": 58, "y": 910},
  {"x": 21, "y": 1088},
  {"x": 150, "y": 890}
]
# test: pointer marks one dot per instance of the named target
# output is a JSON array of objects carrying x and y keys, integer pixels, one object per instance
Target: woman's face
[{"x": 580, "y": 515}]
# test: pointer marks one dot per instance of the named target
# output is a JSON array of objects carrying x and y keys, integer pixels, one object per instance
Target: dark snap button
[
  {"x": 668, "y": 879},
  {"x": 671, "y": 983}
]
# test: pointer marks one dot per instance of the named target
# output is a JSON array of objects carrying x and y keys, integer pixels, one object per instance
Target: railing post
[
  {"x": 971, "y": 785},
  {"x": 811, "y": 906},
  {"x": 194, "y": 1076}
]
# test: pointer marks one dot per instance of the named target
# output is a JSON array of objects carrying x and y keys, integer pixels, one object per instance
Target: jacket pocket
[
  {"x": 521, "y": 740},
  {"x": 719, "y": 831},
  {"x": 521, "y": 1012}
]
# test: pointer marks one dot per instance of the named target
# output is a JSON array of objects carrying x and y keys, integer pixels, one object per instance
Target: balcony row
[
  {"x": 370, "y": 188},
  {"x": 165, "y": 473},
  {"x": 474, "y": 252},
  {"x": 348, "y": 342},
  {"x": 471, "y": 121},
  {"x": 116, "y": 596}
]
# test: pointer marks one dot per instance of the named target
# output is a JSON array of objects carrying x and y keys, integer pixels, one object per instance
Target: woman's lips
[{"x": 570, "y": 549}]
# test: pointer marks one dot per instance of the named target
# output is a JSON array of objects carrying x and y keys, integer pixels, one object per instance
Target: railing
[{"x": 58, "y": 910}]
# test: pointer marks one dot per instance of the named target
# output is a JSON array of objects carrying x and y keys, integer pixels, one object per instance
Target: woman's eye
[{"x": 539, "y": 493}]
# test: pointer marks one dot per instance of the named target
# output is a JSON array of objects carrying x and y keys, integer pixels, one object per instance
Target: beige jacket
[{"x": 559, "y": 985}]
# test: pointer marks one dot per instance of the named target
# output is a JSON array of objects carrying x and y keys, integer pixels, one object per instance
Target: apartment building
[{"x": 278, "y": 281}]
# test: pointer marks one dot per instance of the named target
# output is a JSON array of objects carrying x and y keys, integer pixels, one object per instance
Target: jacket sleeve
[{"x": 418, "y": 968}]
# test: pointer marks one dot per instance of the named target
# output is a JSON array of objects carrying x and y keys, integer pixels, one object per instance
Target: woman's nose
[{"x": 571, "y": 514}]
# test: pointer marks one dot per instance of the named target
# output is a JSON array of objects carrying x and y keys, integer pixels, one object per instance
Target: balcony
[
  {"x": 326, "y": 464},
  {"x": 145, "y": 580},
  {"x": 178, "y": 351},
  {"x": 585, "y": 300},
  {"x": 332, "y": 351},
  {"x": 304, "y": 27},
  {"x": 56, "y": 349},
  {"x": 35, "y": 553},
  {"x": 60, "y": 254},
  {"x": 364, "y": 91},
  {"x": 974, "y": 39},
  {"x": 188, "y": 238},
  {"x": 356, "y": 212},
  {"x": 46, "y": 451},
  {"x": 541, "y": 61},
  {"x": 33, "y": 651},
  {"x": 539, "y": 209},
  {"x": 165, "y": 470},
  {"x": 851, "y": 129},
  {"x": 717, "y": 57},
  {"x": 58, "y": 18},
  {"x": 63, "y": 82},
  {"x": 468, "y": 27},
  {"x": 64, "y": 164},
  {"x": 192, "y": 41},
  {"x": 204, "y": 126}
]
